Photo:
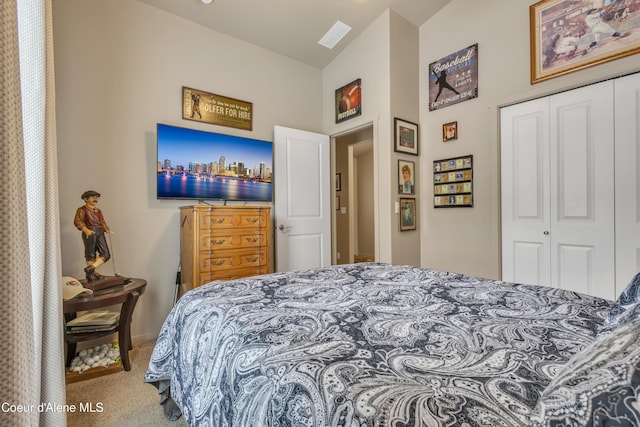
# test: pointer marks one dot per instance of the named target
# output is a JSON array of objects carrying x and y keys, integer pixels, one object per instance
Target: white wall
[
  {"x": 467, "y": 240},
  {"x": 384, "y": 56},
  {"x": 120, "y": 66},
  {"x": 405, "y": 104},
  {"x": 367, "y": 58}
]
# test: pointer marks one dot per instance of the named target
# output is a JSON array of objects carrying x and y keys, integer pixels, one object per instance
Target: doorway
[{"x": 354, "y": 212}]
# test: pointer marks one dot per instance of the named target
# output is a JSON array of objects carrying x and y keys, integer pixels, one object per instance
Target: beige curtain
[{"x": 32, "y": 368}]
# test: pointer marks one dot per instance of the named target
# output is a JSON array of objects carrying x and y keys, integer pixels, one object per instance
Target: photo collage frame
[{"x": 453, "y": 182}]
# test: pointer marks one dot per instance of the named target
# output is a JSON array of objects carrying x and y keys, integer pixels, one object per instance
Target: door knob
[
  {"x": 546, "y": 232},
  {"x": 284, "y": 228}
]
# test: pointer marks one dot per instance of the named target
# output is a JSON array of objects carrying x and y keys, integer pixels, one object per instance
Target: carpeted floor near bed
[{"x": 126, "y": 399}]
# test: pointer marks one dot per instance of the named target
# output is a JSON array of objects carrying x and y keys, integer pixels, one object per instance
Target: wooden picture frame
[
  {"x": 449, "y": 131},
  {"x": 406, "y": 177},
  {"x": 407, "y": 214},
  {"x": 406, "y": 136},
  {"x": 570, "y": 36},
  {"x": 206, "y": 107}
]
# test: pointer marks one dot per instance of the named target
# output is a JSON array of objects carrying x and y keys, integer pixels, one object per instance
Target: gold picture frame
[
  {"x": 206, "y": 107},
  {"x": 568, "y": 36},
  {"x": 449, "y": 131}
]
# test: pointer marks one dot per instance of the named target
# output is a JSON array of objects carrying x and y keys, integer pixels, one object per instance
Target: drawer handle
[
  {"x": 253, "y": 239},
  {"x": 253, "y": 220},
  {"x": 252, "y": 259},
  {"x": 217, "y": 242}
]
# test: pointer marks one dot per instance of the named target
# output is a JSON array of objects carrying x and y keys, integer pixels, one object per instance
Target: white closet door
[
  {"x": 582, "y": 190},
  {"x": 627, "y": 172},
  {"x": 557, "y": 184},
  {"x": 525, "y": 192}
]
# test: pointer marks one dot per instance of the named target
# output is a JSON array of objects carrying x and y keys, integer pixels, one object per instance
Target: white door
[
  {"x": 302, "y": 203},
  {"x": 627, "y": 95},
  {"x": 525, "y": 192},
  {"x": 582, "y": 190},
  {"x": 558, "y": 191}
]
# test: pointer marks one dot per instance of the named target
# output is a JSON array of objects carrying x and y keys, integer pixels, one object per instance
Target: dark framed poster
[
  {"x": 454, "y": 78},
  {"x": 453, "y": 182},
  {"x": 349, "y": 101}
]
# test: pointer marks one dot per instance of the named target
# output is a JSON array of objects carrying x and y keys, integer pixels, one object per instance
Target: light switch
[
  {"x": 397, "y": 207},
  {"x": 343, "y": 210}
]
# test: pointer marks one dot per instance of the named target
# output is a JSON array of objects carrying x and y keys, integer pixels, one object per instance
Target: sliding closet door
[
  {"x": 525, "y": 192},
  {"x": 627, "y": 97},
  {"x": 582, "y": 191}
]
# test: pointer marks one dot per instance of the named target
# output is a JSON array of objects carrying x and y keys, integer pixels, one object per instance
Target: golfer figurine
[{"x": 90, "y": 221}]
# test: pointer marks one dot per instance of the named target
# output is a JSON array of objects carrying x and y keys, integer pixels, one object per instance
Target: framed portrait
[
  {"x": 407, "y": 214},
  {"x": 449, "y": 131},
  {"x": 406, "y": 136},
  {"x": 406, "y": 177},
  {"x": 568, "y": 36},
  {"x": 349, "y": 101},
  {"x": 338, "y": 181}
]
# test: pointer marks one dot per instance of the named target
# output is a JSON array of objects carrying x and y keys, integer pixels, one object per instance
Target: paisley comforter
[{"x": 367, "y": 344}]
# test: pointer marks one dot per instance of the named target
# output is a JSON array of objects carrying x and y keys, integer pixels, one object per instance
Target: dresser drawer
[
  {"x": 227, "y": 239},
  {"x": 217, "y": 261},
  {"x": 235, "y": 273},
  {"x": 232, "y": 219}
]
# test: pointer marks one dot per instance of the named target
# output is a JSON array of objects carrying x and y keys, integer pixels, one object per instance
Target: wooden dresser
[{"x": 223, "y": 242}]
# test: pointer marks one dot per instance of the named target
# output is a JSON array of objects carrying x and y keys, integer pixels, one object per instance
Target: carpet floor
[{"x": 124, "y": 398}]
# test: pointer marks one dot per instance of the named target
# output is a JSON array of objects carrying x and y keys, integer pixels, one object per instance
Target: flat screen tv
[{"x": 200, "y": 165}]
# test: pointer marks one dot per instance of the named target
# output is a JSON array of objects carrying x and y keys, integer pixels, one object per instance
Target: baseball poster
[{"x": 454, "y": 78}]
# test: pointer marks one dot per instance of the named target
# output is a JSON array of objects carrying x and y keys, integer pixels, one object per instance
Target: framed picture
[
  {"x": 349, "y": 101},
  {"x": 568, "y": 36},
  {"x": 454, "y": 78},
  {"x": 406, "y": 176},
  {"x": 449, "y": 131},
  {"x": 201, "y": 106},
  {"x": 453, "y": 182},
  {"x": 407, "y": 214},
  {"x": 406, "y": 136},
  {"x": 338, "y": 181}
]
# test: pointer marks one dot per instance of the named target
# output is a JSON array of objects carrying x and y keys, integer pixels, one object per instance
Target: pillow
[
  {"x": 627, "y": 300},
  {"x": 599, "y": 384},
  {"x": 629, "y": 297},
  {"x": 619, "y": 319}
]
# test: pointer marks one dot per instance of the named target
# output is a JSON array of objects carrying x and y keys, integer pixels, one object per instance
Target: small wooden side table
[{"x": 127, "y": 295}]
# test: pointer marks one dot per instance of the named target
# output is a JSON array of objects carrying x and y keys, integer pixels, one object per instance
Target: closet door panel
[
  {"x": 627, "y": 172},
  {"x": 582, "y": 190},
  {"x": 525, "y": 192}
]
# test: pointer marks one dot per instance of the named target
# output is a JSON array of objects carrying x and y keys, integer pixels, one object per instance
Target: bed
[{"x": 381, "y": 345}]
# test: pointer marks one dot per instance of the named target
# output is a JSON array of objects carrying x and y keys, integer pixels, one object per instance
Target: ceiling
[{"x": 293, "y": 27}]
